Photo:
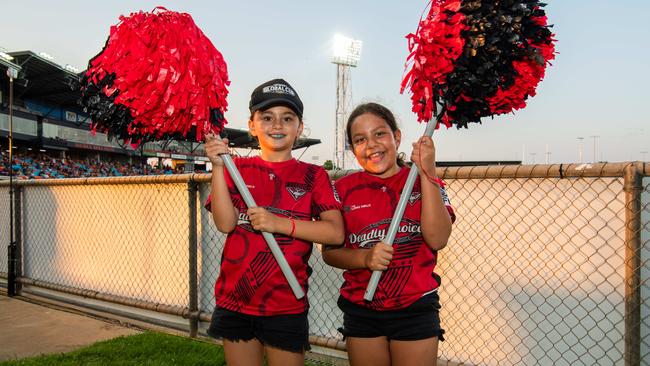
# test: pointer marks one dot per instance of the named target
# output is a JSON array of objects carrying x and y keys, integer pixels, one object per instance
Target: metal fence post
[
  {"x": 18, "y": 239},
  {"x": 11, "y": 265},
  {"x": 633, "y": 187},
  {"x": 13, "y": 249},
  {"x": 192, "y": 188}
]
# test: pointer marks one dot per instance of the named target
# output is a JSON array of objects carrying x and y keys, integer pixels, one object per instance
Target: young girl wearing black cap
[{"x": 256, "y": 312}]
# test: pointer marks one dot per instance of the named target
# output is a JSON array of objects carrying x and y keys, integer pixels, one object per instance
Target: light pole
[
  {"x": 347, "y": 53},
  {"x": 595, "y": 137},
  {"x": 580, "y": 139},
  {"x": 12, "y": 73}
]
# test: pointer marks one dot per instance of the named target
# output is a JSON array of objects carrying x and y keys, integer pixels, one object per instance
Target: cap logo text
[{"x": 278, "y": 89}]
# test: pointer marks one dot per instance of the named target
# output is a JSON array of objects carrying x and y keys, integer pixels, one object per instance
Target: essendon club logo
[
  {"x": 370, "y": 235},
  {"x": 296, "y": 190},
  {"x": 415, "y": 196}
]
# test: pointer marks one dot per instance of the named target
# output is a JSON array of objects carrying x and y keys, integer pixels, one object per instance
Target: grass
[
  {"x": 141, "y": 349},
  {"x": 149, "y": 348}
]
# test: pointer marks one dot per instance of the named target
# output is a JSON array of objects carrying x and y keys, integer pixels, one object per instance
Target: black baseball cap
[{"x": 273, "y": 93}]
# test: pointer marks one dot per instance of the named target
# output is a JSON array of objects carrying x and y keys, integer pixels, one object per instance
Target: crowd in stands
[{"x": 43, "y": 166}]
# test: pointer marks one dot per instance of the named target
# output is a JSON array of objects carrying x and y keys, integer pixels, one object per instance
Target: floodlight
[
  {"x": 46, "y": 56},
  {"x": 6, "y": 56},
  {"x": 71, "y": 68},
  {"x": 347, "y": 51}
]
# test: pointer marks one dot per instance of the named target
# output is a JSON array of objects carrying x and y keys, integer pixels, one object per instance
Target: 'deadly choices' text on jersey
[
  {"x": 369, "y": 203},
  {"x": 250, "y": 280}
]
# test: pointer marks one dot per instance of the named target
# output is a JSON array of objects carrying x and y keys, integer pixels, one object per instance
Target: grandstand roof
[{"x": 45, "y": 80}]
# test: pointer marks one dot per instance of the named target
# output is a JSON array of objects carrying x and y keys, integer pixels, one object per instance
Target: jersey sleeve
[
  {"x": 208, "y": 203},
  {"x": 324, "y": 197},
  {"x": 445, "y": 199}
]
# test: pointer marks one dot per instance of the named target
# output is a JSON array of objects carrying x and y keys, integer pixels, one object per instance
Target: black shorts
[
  {"x": 287, "y": 332},
  {"x": 420, "y": 320}
]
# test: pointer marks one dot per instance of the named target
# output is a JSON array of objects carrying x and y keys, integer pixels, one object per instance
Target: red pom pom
[{"x": 167, "y": 74}]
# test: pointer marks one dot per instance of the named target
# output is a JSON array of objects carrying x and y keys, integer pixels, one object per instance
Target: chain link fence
[
  {"x": 546, "y": 264},
  {"x": 544, "y": 285},
  {"x": 126, "y": 240}
]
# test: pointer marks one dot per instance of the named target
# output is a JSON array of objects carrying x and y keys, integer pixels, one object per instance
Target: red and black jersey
[
  {"x": 369, "y": 203},
  {"x": 250, "y": 280}
]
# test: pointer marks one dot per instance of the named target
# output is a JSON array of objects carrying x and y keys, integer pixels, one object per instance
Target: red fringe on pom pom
[
  {"x": 433, "y": 48},
  {"x": 168, "y": 73}
]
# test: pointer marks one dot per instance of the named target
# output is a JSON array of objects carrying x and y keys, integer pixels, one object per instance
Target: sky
[{"x": 597, "y": 85}]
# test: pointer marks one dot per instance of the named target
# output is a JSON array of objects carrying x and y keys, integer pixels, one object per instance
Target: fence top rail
[
  {"x": 143, "y": 179},
  {"x": 585, "y": 170},
  {"x": 465, "y": 172}
]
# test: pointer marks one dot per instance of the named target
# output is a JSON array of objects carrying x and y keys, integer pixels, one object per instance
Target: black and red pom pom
[
  {"x": 477, "y": 58},
  {"x": 158, "y": 77}
]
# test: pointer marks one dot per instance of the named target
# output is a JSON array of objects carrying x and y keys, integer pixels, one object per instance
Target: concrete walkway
[{"x": 27, "y": 329}]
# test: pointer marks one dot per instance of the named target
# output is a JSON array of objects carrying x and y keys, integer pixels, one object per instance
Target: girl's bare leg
[
  {"x": 244, "y": 353},
  {"x": 423, "y": 352},
  {"x": 368, "y": 351}
]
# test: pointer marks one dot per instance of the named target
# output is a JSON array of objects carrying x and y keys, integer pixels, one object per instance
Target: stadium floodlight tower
[{"x": 347, "y": 53}]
